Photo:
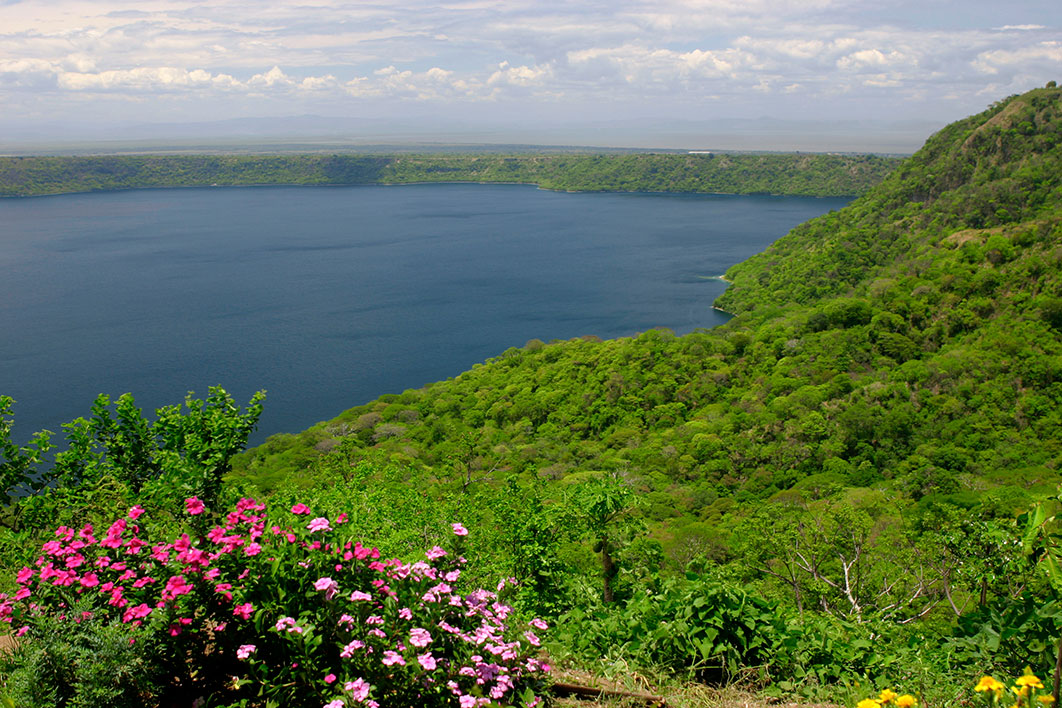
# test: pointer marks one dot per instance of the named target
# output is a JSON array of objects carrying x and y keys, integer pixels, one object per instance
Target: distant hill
[{"x": 804, "y": 174}]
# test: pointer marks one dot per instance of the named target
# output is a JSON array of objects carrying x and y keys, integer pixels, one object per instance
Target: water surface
[{"x": 329, "y": 297}]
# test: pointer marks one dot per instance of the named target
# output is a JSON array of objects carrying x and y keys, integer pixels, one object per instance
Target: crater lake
[{"x": 329, "y": 297}]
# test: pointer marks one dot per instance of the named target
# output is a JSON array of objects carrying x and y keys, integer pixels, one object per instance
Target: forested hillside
[
  {"x": 891, "y": 386},
  {"x": 818, "y": 175},
  {"x": 851, "y": 486},
  {"x": 901, "y": 344}
]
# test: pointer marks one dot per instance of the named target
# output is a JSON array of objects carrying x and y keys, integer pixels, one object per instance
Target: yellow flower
[
  {"x": 869, "y": 703},
  {"x": 887, "y": 696},
  {"x": 1046, "y": 700},
  {"x": 1029, "y": 680},
  {"x": 987, "y": 683},
  {"x": 906, "y": 701}
]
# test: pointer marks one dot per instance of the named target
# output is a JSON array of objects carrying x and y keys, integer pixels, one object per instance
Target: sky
[{"x": 620, "y": 72}]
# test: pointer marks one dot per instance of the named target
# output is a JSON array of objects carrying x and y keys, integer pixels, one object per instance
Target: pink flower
[
  {"x": 337, "y": 703},
  {"x": 319, "y": 524},
  {"x": 243, "y": 611},
  {"x": 392, "y": 657},
  {"x": 467, "y": 701},
  {"x": 434, "y": 553},
  {"x": 326, "y": 585},
  {"x": 193, "y": 506},
  {"x": 459, "y": 530},
  {"x": 359, "y": 689},
  {"x": 330, "y": 678},
  {"x": 419, "y": 637},
  {"x": 531, "y": 638},
  {"x": 405, "y": 613},
  {"x": 300, "y": 508},
  {"x": 359, "y": 595},
  {"x": 245, "y": 651},
  {"x": 539, "y": 624},
  {"x": 287, "y": 624},
  {"x": 348, "y": 650},
  {"x": 252, "y": 549},
  {"x": 138, "y": 612},
  {"x": 427, "y": 661},
  {"x": 175, "y": 586},
  {"x": 135, "y": 512}
]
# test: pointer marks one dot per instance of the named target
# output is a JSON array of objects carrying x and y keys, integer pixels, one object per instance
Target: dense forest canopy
[
  {"x": 803, "y": 174},
  {"x": 853, "y": 482}
]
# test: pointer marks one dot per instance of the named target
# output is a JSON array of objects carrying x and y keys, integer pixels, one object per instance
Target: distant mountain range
[{"x": 310, "y": 131}]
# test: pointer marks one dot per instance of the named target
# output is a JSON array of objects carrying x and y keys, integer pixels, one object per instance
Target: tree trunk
[
  {"x": 608, "y": 570},
  {"x": 1058, "y": 672}
]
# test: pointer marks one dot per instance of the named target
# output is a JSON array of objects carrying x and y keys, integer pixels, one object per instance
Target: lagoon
[{"x": 329, "y": 297}]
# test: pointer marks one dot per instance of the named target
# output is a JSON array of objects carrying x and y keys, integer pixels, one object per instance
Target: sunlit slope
[
  {"x": 997, "y": 169},
  {"x": 910, "y": 342}
]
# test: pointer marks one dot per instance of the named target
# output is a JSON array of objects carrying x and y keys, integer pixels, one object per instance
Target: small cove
[{"x": 329, "y": 297}]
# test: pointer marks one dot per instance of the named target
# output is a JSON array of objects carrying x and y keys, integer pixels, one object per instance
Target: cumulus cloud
[{"x": 1045, "y": 56}]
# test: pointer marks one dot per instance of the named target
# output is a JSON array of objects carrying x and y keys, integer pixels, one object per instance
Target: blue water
[{"x": 330, "y": 297}]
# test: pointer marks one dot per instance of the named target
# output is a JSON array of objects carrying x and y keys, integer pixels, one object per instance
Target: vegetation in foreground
[{"x": 847, "y": 491}]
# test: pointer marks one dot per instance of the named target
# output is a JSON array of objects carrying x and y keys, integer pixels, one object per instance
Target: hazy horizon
[{"x": 814, "y": 75}]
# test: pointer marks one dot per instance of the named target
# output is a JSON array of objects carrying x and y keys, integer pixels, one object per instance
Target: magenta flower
[
  {"x": 419, "y": 637},
  {"x": 175, "y": 586},
  {"x": 348, "y": 650},
  {"x": 330, "y": 678},
  {"x": 287, "y": 624},
  {"x": 459, "y": 530},
  {"x": 135, "y": 512},
  {"x": 245, "y": 651},
  {"x": 193, "y": 506},
  {"x": 243, "y": 611},
  {"x": 326, "y": 585},
  {"x": 135, "y": 613},
  {"x": 319, "y": 524},
  {"x": 300, "y": 508},
  {"x": 337, "y": 703},
  {"x": 359, "y": 689}
]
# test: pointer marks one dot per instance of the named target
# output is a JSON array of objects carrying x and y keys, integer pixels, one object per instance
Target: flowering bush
[{"x": 283, "y": 608}]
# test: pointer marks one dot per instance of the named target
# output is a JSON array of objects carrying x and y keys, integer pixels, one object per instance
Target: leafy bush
[{"x": 691, "y": 625}]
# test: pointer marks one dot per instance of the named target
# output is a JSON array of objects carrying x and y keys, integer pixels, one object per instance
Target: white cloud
[
  {"x": 160, "y": 78},
  {"x": 1024, "y": 28},
  {"x": 684, "y": 53},
  {"x": 523, "y": 75},
  {"x": 1045, "y": 55},
  {"x": 871, "y": 58}
]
